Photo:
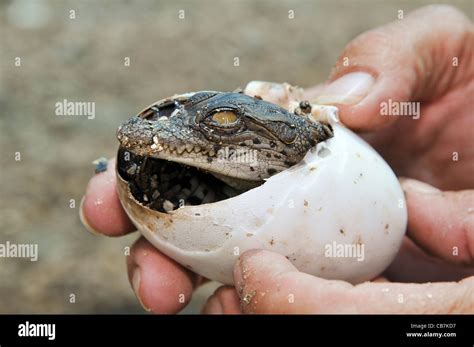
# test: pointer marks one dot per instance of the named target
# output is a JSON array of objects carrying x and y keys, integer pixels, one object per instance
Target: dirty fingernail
[
  {"x": 418, "y": 186},
  {"x": 238, "y": 277},
  {"x": 347, "y": 90},
  {"x": 83, "y": 219},
  {"x": 136, "y": 287}
]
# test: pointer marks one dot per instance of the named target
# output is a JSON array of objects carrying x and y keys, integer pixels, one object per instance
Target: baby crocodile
[{"x": 239, "y": 139}]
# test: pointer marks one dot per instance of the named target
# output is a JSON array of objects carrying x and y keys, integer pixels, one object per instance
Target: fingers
[
  {"x": 101, "y": 211},
  {"x": 441, "y": 223},
  {"x": 268, "y": 283},
  {"x": 224, "y": 301},
  {"x": 160, "y": 284},
  {"x": 412, "y": 264},
  {"x": 409, "y": 59}
]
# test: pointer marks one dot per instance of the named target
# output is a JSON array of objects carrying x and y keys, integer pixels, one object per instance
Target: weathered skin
[{"x": 236, "y": 137}]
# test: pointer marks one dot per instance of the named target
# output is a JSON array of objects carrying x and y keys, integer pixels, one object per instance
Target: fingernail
[
  {"x": 83, "y": 219},
  {"x": 239, "y": 277},
  {"x": 417, "y": 186},
  {"x": 213, "y": 306},
  {"x": 136, "y": 287},
  {"x": 348, "y": 89}
]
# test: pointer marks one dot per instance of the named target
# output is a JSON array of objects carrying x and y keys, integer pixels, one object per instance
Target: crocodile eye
[
  {"x": 223, "y": 121},
  {"x": 224, "y": 118}
]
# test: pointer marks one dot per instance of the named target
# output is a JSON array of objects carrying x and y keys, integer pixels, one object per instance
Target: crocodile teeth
[
  {"x": 168, "y": 206},
  {"x": 212, "y": 153},
  {"x": 197, "y": 149},
  {"x": 189, "y": 148},
  {"x": 156, "y": 147},
  {"x": 181, "y": 149}
]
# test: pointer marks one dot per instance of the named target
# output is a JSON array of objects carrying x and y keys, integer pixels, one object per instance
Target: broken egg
[{"x": 339, "y": 213}]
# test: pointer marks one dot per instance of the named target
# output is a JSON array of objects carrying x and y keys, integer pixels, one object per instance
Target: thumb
[
  {"x": 442, "y": 223},
  {"x": 410, "y": 59},
  {"x": 268, "y": 283}
]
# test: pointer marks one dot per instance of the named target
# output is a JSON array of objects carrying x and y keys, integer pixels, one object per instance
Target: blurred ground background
[{"x": 82, "y": 59}]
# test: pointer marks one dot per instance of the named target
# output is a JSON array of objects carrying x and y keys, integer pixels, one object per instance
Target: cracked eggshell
[{"x": 342, "y": 196}]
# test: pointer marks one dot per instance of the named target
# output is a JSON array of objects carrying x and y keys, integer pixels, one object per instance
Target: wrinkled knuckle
[{"x": 370, "y": 47}]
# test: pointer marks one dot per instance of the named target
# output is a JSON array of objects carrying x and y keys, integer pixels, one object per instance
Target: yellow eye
[{"x": 224, "y": 117}]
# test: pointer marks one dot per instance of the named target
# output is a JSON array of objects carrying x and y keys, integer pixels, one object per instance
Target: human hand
[
  {"x": 159, "y": 283},
  {"x": 410, "y": 60}
]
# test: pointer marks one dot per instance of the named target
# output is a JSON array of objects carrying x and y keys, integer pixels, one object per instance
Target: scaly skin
[{"x": 251, "y": 139}]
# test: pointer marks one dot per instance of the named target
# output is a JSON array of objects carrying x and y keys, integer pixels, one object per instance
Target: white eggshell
[{"x": 343, "y": 195}]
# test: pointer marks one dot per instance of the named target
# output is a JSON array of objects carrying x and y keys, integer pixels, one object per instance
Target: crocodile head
[{"x": 240, "y": 140}]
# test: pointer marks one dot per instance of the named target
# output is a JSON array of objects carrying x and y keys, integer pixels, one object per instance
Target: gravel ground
[{"x": 82, "y": 59}]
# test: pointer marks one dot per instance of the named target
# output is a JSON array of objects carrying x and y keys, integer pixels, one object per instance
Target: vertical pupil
[{"x": 224, "y": 117}]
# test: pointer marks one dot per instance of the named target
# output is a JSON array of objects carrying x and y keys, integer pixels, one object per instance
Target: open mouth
[{"x": 164, "y": 185}]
